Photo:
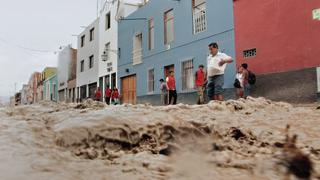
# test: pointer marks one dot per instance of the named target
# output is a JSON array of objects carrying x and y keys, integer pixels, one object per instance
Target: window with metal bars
[{"x": 250, "y": 53}]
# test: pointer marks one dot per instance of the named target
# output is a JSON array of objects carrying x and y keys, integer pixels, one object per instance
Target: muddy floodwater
[{"x": 245, "y": 139}]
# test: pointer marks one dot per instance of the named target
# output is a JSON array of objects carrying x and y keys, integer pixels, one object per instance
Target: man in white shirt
[{"x": 217, "y": 63}]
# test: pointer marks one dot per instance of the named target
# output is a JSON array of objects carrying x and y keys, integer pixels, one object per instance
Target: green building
[{"x": 50, "y": 88}]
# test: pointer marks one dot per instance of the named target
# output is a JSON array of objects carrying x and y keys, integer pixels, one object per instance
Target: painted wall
[
  {"x": 50, "y": 89},
  {"x": 283, "y": 32},
  {"x": 90, "y": 48},
  {"x": 186, "y": 45}
]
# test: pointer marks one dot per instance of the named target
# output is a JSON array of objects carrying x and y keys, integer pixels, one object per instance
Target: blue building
[{"x": 166, "y": 35}]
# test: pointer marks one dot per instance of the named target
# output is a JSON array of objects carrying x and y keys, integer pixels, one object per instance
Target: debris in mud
[
  {"x": 296, "y": 162},
  {"x": 89, "y": 103},
  {"x": 236, "y": 133}
]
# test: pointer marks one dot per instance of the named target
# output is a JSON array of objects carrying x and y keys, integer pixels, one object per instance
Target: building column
[
  {"x": 103, "y": 88},
  {"x": 87, "y": 86},
  {"x": 78, "y": 94}
]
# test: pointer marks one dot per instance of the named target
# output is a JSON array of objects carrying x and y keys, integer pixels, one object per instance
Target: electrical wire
[{"x": 25, "y": 48}]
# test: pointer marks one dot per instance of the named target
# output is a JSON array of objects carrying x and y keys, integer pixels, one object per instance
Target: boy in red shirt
[
  {"x": 115, "y": 96},
  {"x": 97, "y": 94},
  {"x": 171, "y": 87},
  {"x": 201, "y": 80}
]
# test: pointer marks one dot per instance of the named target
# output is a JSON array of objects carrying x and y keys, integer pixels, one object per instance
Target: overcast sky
[{"x": 40, "y": 25}]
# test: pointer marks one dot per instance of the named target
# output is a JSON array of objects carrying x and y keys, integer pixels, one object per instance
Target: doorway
[
  {"x": 128, "y": 89},
  {"x": 167, "y": 70}
]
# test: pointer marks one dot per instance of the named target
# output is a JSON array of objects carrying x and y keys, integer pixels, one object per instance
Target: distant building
[
  {"x": 169, "y": 35},
  {"x": 24, "y": 94},
  {"x": 67, "y": 68},
  {"x": 33, "y": 87},
  {"x": 46, "y": 73},
  {"x": 50, "y": 88},
  {"x": 280, "y": 42}
]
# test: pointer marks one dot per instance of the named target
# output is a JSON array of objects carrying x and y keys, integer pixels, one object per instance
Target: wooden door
[{"x": 128, "y": 90}]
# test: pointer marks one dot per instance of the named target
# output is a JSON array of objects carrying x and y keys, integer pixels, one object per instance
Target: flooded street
[{"x": 221, "y": 140}]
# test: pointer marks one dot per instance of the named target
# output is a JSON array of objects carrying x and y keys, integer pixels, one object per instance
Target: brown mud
[{"x": 245, "y": 139}]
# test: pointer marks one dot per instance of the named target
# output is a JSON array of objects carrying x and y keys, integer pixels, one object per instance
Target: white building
[
  {"x": 110, "y": 14},
  {"x": 66, "y": 73},
  {"x": 103, "y": 49},
  {"x": 87, "y": 61}
]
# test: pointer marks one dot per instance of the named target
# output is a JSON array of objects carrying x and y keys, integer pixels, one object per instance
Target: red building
[{"x": 280, "y": 40}]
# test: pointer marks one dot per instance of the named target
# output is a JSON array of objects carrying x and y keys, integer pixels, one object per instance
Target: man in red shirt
[
  {"x": 108, "y": 94},
  {"x": 171, "y": 87},
  {"x": 97, "y": 94},
  {"x": 201, "y": 80}
]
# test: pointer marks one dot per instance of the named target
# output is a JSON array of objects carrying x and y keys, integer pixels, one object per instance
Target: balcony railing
[
  {"x": 137, "y": 56},
  {"x": 199, "y": 21}
]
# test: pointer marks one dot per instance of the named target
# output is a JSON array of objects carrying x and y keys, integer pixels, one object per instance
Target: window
[
  {"x": 137, "y": 49},
  {"x": 249, "y": 53},
  {"x": 187, "y": 75},
  {"x": 168, "y": 27},
  {"x": 91, "y": 34},
  {"x": 151, "y": 34},
  {"x": 91, "y": 61},
  {"x": 83, "y": 40},
  {"x": 108, "y": 22},
  {"x": 199, "y": 16},
  {"x": 82, "y": 66},
  {"x": 151, "y": 80}
]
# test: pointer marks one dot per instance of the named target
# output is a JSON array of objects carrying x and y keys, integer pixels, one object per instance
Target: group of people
[
  {"x": 210, "y": 80},
  {"x": 111, "y": 95}
]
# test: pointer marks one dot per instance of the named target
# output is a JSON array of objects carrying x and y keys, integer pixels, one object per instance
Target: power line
[{"x": 25, "y": 48}]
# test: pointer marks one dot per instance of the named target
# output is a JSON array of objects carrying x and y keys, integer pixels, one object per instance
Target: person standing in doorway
[
  {"x": 164, "y": 92},
  {"x": 115, "y": 96},
  {"x": 217, "y": 63},
  {"x": 171, "y": 87},
  {"x": 246, "y": 83},
  {"x": 239, "y": 83},
  {"x": 201, "y": 80},
  {"x": 97, "y": 94},
  {"x": 108, "y": 94}
]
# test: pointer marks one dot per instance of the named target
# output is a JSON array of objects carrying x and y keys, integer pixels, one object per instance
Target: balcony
[{"x": 199, "y": 21}]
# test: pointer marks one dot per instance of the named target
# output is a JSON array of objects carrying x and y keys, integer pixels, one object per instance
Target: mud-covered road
[{"x": 243, "y": 140}]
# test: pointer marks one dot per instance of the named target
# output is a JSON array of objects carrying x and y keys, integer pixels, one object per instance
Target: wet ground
[{"x": 243, "y": 139}]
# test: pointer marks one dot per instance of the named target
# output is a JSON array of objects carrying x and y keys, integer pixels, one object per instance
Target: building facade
[
  {"x": 67, "y": 68},
  {"x": 168, "y": 35},
  {"x": 33, "y": 87},
  {"x": 24, "y": 94},
  {"x": 46, "y": 73},
  {"x": 108, "y": 40},
  {"x": 279, "y": 40},
  {"x": 50, "y": 89},
  {"x": 87, "y": 61}
]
